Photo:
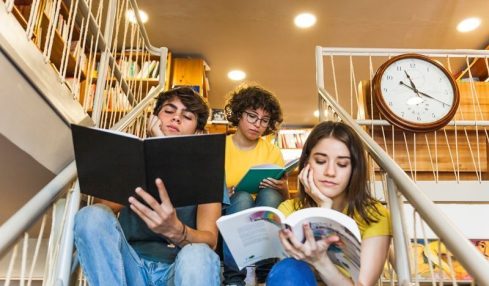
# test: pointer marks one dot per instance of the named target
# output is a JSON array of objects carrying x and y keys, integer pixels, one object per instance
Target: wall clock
[{"x": 415, "y": 93}]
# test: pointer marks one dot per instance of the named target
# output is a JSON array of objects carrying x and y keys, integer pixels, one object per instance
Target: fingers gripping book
[
  {"x": 252, "y": 235},
  {"x": 251, "y": 180}
]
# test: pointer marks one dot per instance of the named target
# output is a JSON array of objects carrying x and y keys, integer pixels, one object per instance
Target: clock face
[{"x": 415, "y": 93}]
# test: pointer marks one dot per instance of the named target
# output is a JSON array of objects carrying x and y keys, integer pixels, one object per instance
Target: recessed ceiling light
[
  {"x": 236, "y": 75},
  {"x": 468, "y": 25},
  {"x": 131, "y": 17},
  {"x": 305, "y": 20}
]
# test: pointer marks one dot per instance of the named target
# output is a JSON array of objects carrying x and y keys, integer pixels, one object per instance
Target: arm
[
  {"x": 373, "y": 257},
  {"x": 206, "y": 231},
  {"x": 114, "y": 206}
]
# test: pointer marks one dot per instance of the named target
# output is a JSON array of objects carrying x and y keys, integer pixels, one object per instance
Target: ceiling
[{"x": 259, "y": 37}]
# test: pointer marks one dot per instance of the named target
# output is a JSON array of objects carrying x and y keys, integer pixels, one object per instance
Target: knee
[
  {"x": 291, "y": 272},
  {"x": 94, "y": 218},
  {"x": 198, "y": 256},
  {"x": 269, "y": 197},
  {"x": 240, "y": 201}
]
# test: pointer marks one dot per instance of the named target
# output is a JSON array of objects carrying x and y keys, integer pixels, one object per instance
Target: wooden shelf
[{"x": 57, "y": 49}]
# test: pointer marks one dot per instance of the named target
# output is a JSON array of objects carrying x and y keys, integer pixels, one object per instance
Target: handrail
[
  {"x": 465, "y": 252},
  {"x": 19, "y": 222},
  {"x": 461, "y": 53},
  {"x": 37, "y": 205}
]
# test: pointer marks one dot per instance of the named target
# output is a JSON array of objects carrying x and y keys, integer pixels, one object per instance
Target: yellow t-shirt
[
  {"x": 379, "y": 228},
  {"x": 239, "y": 161}
]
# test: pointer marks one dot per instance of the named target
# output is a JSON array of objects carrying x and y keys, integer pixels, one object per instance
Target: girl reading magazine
[{"x": 333, "y": 174}]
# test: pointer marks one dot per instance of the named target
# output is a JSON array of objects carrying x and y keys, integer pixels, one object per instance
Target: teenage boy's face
[
  {"x": 176, "y": 119},
  {"x": 253, "y": 123}
]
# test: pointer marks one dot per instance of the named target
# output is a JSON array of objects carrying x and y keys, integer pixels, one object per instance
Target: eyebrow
[
  {"x": 175, "y": 107},
  {"x": 325, "y": 155}
]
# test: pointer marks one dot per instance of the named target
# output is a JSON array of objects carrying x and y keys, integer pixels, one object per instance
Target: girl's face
[
  {"x": 330, "y": 162},
  {"x": 176, "y": 119},
  {"x": 253, "y": 123}
]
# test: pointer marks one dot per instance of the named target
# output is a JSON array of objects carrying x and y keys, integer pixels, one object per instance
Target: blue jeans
[
  {"x": 290, "y": 272},
  {"x": 108, "y": 259},
  {"x": 242, "y": 201}
]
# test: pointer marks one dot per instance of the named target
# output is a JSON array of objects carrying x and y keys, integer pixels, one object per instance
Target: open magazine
[
  {"x": 251, "y": 180},
  {"x": 252, "y": 235}
]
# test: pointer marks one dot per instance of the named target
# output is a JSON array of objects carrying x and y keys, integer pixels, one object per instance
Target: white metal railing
[
  {"x": 347, "y": 68},
  {"x": 119, "y": 101}
]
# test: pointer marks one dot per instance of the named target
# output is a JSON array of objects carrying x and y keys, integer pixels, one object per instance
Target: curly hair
[
  {"x": 245, "y": 97},
  {"x": 192, "y": 101}
]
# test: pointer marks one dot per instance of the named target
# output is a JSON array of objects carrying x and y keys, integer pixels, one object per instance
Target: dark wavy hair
[
  {"x": 191, "y": 99},
  {"x": 254, "y": 97},
  {"x": 357, "y": 191}
]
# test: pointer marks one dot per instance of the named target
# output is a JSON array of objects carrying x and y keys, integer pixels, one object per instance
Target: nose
[
  {"x": 329, "y": 169},
  {"x": 177, "y": 117}
]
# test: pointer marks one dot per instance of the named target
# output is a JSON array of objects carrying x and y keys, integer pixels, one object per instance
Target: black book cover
[{"x": 112, "y": 164}]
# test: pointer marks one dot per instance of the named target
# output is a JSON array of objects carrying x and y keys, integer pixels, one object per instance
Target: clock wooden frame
[{"x": 400, "y": 122}]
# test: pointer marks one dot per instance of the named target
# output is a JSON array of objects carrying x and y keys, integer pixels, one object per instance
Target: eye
[
  {"x": 265, "y": 120},
  {"x": 188, "y": 115},
  {"x": 252, "y": 116},
  {"x": 168, "y": 110},
  {"x": 343, "y": 164},
  {"x": 320, "y": 161}
]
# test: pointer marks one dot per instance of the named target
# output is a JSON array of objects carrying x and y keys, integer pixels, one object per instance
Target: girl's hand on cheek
[{"x": 307, "y": 179}]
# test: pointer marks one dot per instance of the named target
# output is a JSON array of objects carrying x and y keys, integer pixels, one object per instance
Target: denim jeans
[
  {"x": 108, "y": 259},
  {"x": 290, "y": 272},
  {"x": 242, "y": 201}
]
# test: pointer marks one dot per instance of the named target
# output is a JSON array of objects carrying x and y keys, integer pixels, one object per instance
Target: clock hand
[
  {"x": 419, "y": 93},
  {"x": 410, "y": 87},
  {"x": 411, "y": 82},
  {"x": 429, "y": 96}
]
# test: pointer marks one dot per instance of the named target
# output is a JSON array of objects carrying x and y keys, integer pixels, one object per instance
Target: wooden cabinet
[{"x": 190, "y": 72}]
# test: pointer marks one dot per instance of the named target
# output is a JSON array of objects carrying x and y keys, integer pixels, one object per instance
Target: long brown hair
[{"x": 357, "y": 192}]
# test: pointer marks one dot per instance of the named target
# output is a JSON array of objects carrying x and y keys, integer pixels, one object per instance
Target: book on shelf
[
  {"x": 112, "y": 164},
  {"x": 253, "y": 235},
  {"x": 251, "y": 180}
]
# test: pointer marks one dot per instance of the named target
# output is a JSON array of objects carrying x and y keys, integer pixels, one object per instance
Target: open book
[
  {"x": 252, "y": 235},
  {"x": 112, "y": 164},
  {"x": 251, "y": 181}
]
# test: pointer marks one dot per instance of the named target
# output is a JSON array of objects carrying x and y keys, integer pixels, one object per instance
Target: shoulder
[
  {"x": 381, "y": 227},
  {"x": 288, "y": 207}
]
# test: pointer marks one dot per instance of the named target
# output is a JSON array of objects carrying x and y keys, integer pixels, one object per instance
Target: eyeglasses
[{"x": 253, "y": 118}]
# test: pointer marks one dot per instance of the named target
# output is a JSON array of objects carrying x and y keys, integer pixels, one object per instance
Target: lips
[
  {"x": 172, "y": 128},
  {"x": 328, "y": 183}
]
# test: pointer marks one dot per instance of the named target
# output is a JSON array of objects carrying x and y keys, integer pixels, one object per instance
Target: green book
[{"x": 251, "y": 181}]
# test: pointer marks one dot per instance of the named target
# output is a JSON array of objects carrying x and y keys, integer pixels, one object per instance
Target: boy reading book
[
  {"x": 154, "y": 243},
  {"x": 254, "y": 112}
]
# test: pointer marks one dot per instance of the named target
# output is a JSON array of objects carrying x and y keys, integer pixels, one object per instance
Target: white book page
[{"x": 252, "y": 235}]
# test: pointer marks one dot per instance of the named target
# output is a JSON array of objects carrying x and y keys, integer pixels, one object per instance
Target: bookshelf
[
  {"x": 60, "y": 36},
  {"x": 290, "y": 142}
]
